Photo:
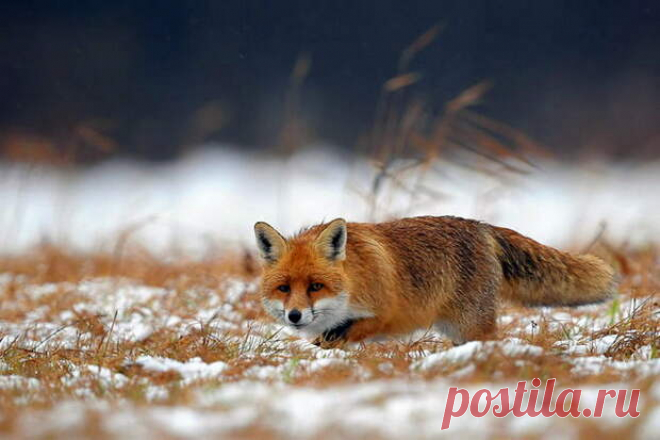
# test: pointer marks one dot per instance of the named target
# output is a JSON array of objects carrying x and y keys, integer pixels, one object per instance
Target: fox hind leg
[
  {"x": 449, "y": 329},
  {"x": 470, "y": 321},
  {"x": 477, "y": 326}
]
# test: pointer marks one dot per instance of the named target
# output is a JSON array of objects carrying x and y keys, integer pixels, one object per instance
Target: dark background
[{"x": 578, "y": 76}]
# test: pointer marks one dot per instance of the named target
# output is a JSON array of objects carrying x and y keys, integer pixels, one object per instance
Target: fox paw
[
  {"x": 326, "y": 344},
  {"x": 335, "y": 337}
]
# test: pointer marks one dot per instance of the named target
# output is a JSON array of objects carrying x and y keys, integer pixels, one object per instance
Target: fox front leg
[
  {"x": 335, "y": 337},
  {"x": 351, "y": 331}
]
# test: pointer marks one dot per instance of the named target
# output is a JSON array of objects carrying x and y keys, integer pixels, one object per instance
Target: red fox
[{"x": 346, "y": 282}]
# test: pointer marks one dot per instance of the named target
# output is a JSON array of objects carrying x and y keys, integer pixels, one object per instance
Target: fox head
[{"x": 304, "y": 285}]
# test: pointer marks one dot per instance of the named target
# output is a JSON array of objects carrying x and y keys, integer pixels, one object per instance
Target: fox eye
[
  {"x": 315, "y": 287},
  {"x": 284, "y": 288}
]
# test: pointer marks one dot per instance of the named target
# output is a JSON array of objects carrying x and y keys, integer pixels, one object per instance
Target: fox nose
[{"x": 295, "y": 315}]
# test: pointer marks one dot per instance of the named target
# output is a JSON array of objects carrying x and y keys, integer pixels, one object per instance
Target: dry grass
[{"x": 52, "y": 282}]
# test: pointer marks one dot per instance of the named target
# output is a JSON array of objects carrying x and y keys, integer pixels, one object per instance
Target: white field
[{"x": 211, "y": 199}]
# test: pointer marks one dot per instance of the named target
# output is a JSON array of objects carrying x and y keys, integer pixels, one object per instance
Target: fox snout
[
  {"x": 294, "y": 316},
  {"x": 297, "y": 317}
]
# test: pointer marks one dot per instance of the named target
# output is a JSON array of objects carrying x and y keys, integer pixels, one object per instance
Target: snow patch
[
  {"x": 192, "y": 370},
  {"x": 476, "y": 351}
]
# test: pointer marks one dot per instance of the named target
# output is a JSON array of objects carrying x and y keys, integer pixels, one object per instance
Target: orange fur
[{"x": 413, "y": 273}]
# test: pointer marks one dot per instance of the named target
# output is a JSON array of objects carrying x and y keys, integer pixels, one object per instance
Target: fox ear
[
  {"x": 332, "y": 241},
  {"x": 271, "y": 244}
]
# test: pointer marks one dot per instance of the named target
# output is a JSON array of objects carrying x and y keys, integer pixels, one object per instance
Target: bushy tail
[{"x": 538, "y": 275}]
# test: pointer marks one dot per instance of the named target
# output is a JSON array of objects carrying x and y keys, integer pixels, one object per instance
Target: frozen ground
[
  {"x": 189, "y": 354},
  {"x": 114, "y": 358},
  {"x": 213, "y": 197}
]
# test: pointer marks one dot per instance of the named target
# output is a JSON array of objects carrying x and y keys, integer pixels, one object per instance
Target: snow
[
  {"x": 192, "y": 370},
  {"x": 221, "y": 403},
  {"x": 14, "y": 382},
  {"x": 214, "y": 196},
  {"x": 651, "y": 425},
  {"x": 597, "y": 346},
  {"x": 383, "y": 409},
  {"x": 475, "y": 351},
  {"x": 586, "y": 366}
]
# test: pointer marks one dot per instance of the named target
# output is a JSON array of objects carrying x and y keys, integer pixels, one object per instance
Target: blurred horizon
[{"x": 150, "y": 79}]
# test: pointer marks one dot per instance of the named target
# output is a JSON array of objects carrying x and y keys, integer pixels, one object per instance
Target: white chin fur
[{"x": 327, "y": 313}]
